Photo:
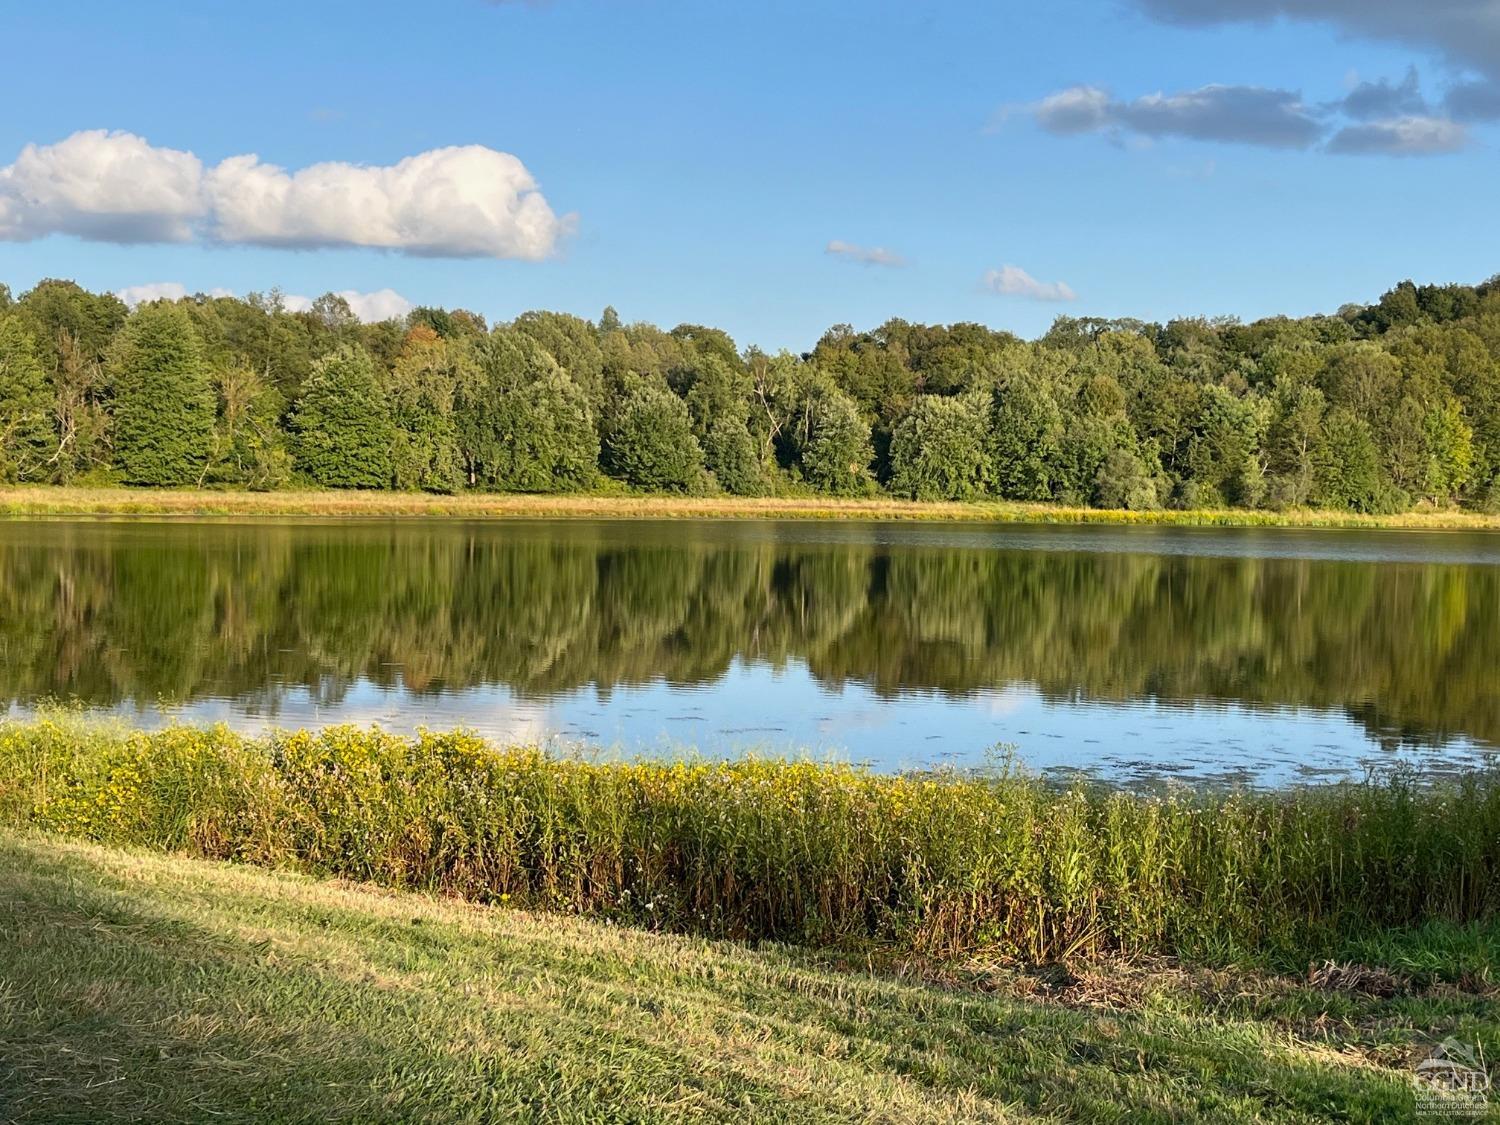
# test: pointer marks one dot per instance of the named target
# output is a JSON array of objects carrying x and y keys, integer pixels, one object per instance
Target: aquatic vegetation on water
[{"x": 795, "y": 851}]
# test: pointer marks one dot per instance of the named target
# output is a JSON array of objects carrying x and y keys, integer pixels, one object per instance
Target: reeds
[{"x": 793, "y": 851}]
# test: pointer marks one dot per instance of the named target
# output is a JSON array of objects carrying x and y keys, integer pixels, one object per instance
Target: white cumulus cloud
[
  {"x": 110, "y": 187},
  {"x": 451, "y": 202},
  {"x": 1013, "y": 281},
  {"x": 150, "y": 291},
  {"x": 381, "y": 304},
  {"x": 464, "y": 201}
]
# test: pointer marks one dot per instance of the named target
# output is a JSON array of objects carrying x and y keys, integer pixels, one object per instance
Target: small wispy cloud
[
  {"x": 1382, "y": 118},
  {"x": 1465, "y": 33},
  {"x": 1013, "y": 281},
  {"x": 864, "y": 255},
  {"x": 1401, "y": 136},
  {"x": 1386, "y": 117},
  {"x": 1474, "y": 101},
  {"x": 1384, "y": 99},
  {"x": 1251, "y": 115}
]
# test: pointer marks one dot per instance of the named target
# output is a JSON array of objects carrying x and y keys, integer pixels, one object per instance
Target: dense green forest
[{"x": 1379, "y": 408}]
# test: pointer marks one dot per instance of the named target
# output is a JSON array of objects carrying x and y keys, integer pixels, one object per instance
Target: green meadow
[{"x": 138, "y": 986}]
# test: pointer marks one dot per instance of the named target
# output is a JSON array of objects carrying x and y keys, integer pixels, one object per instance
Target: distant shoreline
[{"x": 46, "y": 500}]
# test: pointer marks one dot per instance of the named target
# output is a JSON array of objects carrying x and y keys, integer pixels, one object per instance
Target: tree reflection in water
[{"x": 107, "y": 613}]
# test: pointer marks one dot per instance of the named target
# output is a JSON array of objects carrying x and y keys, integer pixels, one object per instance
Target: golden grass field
[{"x": 47, "y": 500}]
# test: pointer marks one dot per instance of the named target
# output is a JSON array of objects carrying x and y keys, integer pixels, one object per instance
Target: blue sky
[{"x": 696, "y": 161}]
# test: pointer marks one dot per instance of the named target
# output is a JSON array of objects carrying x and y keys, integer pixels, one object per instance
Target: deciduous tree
[{"x": 342, "y": 424}]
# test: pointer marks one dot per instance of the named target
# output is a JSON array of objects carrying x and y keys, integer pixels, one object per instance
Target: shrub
[{"x": 1124, "y": 481}]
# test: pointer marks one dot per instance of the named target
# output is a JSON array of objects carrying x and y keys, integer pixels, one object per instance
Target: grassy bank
[
  {"x": 823, "y": 855},
  {"x": 135, "y": 987},
  {"x": 52, "y": 501}
]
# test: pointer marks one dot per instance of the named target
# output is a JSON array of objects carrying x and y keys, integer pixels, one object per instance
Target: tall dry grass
[
  {"x": 794, "y": 851},
  {"x": 40, "y": 500}
]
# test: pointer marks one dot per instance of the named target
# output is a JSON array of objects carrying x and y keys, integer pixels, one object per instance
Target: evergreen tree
[
  {"x": 342, "y": 424},
  {"x": 164, "y": 402},
  {"x": 650, "y": 442},
  {"x": 25, "y": 405}
]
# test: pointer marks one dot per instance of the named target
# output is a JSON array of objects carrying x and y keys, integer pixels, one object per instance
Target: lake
[{"x": 1254, "y": 655}]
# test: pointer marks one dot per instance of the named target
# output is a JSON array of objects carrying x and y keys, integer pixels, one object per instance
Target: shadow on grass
[{"x": 140, "y": 987}]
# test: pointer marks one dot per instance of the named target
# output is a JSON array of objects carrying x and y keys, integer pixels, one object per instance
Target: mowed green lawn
[{"x": 135, "y": 987}]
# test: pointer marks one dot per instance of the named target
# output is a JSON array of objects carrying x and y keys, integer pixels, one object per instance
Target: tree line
[{"x": 1378, "y": 408}]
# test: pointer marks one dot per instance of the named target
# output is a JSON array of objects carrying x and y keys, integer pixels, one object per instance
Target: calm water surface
[{"x": 1256, "y": 654}]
